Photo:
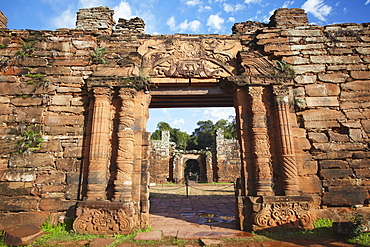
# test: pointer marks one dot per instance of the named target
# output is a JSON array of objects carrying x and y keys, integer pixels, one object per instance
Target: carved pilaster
[
  {"x": 125, "y": 156},
  {"x": 99, "y": 145},
  {"x": 261, "y": 146},
  {"x": 287, "y": 155}
]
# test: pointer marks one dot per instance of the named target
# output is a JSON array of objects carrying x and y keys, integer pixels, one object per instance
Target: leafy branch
[
  {"x": 31, "y": 138},
  {"x": 97, "y": 56},
  {"x": 26, "y": 50}
]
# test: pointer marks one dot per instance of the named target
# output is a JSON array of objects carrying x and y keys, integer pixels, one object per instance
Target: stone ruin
[
  {"x": 74, "y": 105},
  {"x": 221, "y": 163}
]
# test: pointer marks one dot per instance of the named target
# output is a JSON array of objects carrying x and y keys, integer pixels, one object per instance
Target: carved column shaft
[
  {"x": 125, "y": 156},
  {"x": 99, "y": 146},
  {"x": 261, "y": 146},
  {"x": 288, "y": 160}
]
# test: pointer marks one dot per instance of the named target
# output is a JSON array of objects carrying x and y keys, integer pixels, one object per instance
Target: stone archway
[{"x": 194, "y": 72}]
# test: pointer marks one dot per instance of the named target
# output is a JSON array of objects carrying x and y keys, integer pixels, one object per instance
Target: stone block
[
  {"x": 320, "y": 125},
  {"x": 65, "y": 89},
  {"x": 7, "y": 189},
  {"x": 363, "y": 50},
  {"x": 276, "y": 47},
  {"x": 330, "y": 155},
  {"x": 84, "y": 44},
  {"x": 22, "y": 235},
  {"x": 30, "y": 101},
  {"x": 355, "y": 96},
  {"x": 54, "y": 177},
  {"x": 55, "y": 204},
  {"x": 340, "y": 51},
  {"x": 356, "y": 85},
  {"x": 366, "y": 125},
  {"x": 361, "y": 155},
  {"x": 73, "y": 178},
  {"x": 302, "y": 33},
  {"x": 54, "y": 70},
  {"x": 64, "y": 120},
  {"x": 75, "y": 110},
  {"x": 354, "y": 115},
  {"x": 67, "y": 164},
  {"x": 313, "y": 68},
  {"x": 337, "y": 77},
  {"x": 8, "y": 146},
  {"x": 70, "y": 62},
  {"x": 52, "y": 188},
  {"x": 335, "y": 173},
  {"x": 337, "y": 137},
  {"x": 61, "y": 99},
  {"x": 73, "y": 152},
  {"x": 327, "y": 59},
  {"x": 20, "y": 175},
  {"x": 329, "y": 147},
  {"x": 360, "y": 163},
  {"x": 323, "y": 89},
  {"x": 77, "y": 101},
  {"x": 322, "y": 115},
  {"x": 345, "y": 196},
  {"x": 6, "y": 109},
  {"x": 63, "y": 130},
  {"x": 308, "y": 167},
  {"x": 36, "y": 218},
  {"x": 296, "y": 60},
  {"x": 321, "y": 101},
  {"x": 309, "y": 184},
  {"x": 362, "y": 173},
  {"x": 59, "y": 46},
  {"x": 307, "y": 47},
  {"x": 302, "y": 143},
  {"x": 17, "y": 204},
  {"x": 51, "y": 146},
  {"x": 360, "y": 75},
  {"x": 28, "y": 114},
  {"x": 330, "y": 164},
  {"x": 72, "y": 192},
  {"x": 317, "y": 137},
  {"x": 33, "y": 62},
  {"x": 32, "y": 160},
  {"x": 100, "y": 242}
]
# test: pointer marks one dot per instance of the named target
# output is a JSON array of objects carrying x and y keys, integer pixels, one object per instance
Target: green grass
[{"x": 362, "y": 239}]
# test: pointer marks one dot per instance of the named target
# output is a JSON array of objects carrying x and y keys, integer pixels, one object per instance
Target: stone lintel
[{"x": 259, "y": 80}]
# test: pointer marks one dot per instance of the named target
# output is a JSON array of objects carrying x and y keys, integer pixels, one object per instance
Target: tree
[{"x": 176, "y": 136}]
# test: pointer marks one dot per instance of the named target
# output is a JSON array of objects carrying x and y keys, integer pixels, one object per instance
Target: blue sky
[{"x": 181, "y": 16}]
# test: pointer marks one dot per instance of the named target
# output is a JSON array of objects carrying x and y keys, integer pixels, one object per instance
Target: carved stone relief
[{"x": 199, "y": 58}]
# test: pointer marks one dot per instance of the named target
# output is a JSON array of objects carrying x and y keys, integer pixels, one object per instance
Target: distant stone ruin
[{"x": 74, "y": 106}]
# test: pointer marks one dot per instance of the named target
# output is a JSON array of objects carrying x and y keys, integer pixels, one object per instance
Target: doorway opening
[{"x": 192, "y": 170}]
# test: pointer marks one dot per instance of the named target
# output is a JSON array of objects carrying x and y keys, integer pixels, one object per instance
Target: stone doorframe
[
  {"x": 205, "y": 166},
  {"x": 117, "y": 146}
]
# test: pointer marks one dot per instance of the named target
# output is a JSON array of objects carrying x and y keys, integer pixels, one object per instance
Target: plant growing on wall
[
  {"x": 30, "y": 138},
  {"x": 97, "y": 56},
  {"x": 284, "y": 68},
  {"x": 140, "y": 82},
  {"x": 40, "y": 80},
  {"x": 26, "y": 50}
]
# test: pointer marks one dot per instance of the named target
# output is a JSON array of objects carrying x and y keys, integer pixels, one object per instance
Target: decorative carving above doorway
[{"x": 191, "y": 57}]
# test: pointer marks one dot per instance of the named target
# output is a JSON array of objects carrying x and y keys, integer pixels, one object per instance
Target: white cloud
[
  {"x": 192, "y": 26},
  {"x": 317, "y": 8},
  {"x": 178, "y": 123},
  {"x": 215, "y": 22},
  {"x": 286, "y": 4},
  {"x": 184, "y": 26},
  {"x": 252, "y": 1},
  {"x": 92, "y": 3},
  {"x": 123, "y": 10},
  {"x": 219, "y": 113},
  {"x": 233, "y": 8},
  {"x": 367, "y": 2},
  {"x": 193, "y": 2},
  {"x": 66, "y": 20},
  {"x": 171, "y": 22},
  {"x": 231, "y": 19},
  {"x": 204, "y": 8}
]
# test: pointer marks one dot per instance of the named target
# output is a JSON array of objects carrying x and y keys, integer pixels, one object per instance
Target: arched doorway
[{"x": 192, "y": 170}]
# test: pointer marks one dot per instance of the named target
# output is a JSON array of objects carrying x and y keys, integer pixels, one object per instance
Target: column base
[
  {"x": 260, "y": 212},
  {"x": 106, "y": 218}
]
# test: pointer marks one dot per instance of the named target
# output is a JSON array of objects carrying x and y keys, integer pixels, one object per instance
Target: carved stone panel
[{"x": 198, "y": 58}]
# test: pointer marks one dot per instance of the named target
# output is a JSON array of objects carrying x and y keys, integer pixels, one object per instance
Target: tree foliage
[{"x": 202, "y": 137}]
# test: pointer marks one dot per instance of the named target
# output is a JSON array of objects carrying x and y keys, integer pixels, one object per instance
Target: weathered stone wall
[
  {"x": 161, "y": 152},
  {"x": 45, "y": 84},
  {"x": 226, "y": 164},
  {"x": 330, "y": 98},
  {"x": 3, "y": 20}
]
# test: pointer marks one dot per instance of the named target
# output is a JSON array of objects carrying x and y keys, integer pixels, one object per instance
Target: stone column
[
  {"x": 125, "y": 156},
  {"x": 99, "y": 159},
  {"x": 261, "y": 146},
  {"x": 287, "y": 160}
]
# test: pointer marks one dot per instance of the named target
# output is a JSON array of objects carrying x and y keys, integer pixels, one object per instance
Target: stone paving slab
[{"x": 149, "y": 236}]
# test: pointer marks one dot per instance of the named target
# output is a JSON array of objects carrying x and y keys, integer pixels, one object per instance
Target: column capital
[
  {"x": 127, "y": 93},
  {"x": 102, "y": 91}
]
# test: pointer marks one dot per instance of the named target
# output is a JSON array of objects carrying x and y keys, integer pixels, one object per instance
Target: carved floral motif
[
  {"x": 280, "y": 213},
  {"x": 104, "y": 221},
  {"x": 202, "y": 58}
]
